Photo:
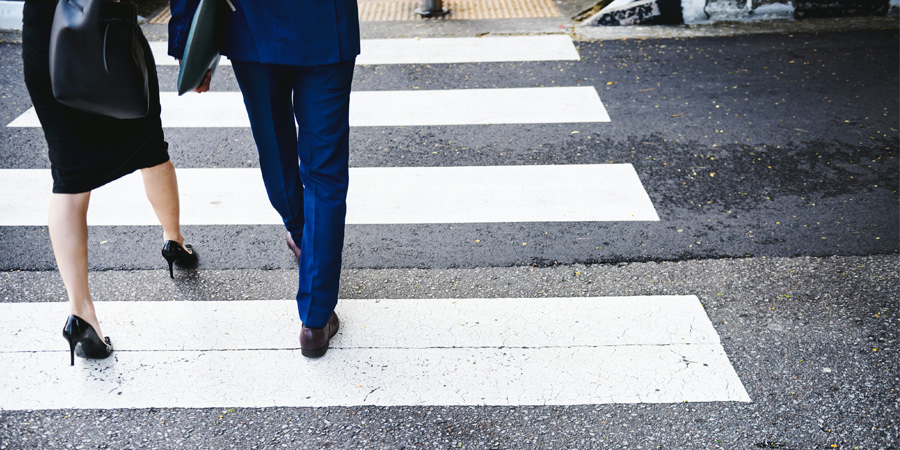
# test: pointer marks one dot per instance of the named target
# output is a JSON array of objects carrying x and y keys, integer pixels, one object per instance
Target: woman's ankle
[
  {"x": 176, "y": 237},
  {"x": 87, "y": 313}
]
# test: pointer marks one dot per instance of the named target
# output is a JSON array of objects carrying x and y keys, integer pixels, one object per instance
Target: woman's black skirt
[{"x": 86, "y": 150}]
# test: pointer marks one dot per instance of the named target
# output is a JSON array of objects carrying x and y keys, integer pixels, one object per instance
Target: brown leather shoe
[
  {"x": 293, "y": 246},
  {"x": 314, "y": 341}
]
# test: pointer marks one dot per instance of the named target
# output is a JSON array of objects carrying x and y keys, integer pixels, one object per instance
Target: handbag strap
[{"x": 106, "y": 34}]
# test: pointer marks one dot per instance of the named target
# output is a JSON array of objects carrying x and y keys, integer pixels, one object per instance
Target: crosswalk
[
  {"x": 442, "y": 50},
  {"x": 377, "y": 195},
  {"x": 392, "y": 352},
  {"x": 499, "y": 351},
  {"x": 398, "y": 108}
]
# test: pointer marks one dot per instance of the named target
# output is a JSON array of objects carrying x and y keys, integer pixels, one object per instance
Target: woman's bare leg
[
  {"x": 161, "y": 186},
  {"x": 69, "y": 235}
]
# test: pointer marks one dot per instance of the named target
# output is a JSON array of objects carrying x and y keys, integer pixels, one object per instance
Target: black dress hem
[{"x": 86, "y": 150}]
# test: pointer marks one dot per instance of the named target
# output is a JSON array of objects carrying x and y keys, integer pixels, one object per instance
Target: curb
[
  {"x": 11, "y": 26},
  {"x": 725, "y": 29}
]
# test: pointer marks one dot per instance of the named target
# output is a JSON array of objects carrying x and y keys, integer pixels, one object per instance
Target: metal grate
[
  {"x": 162, "y": 17},
  {"x": 387, "y": 10},
  {"x": 398, "y": 10}
]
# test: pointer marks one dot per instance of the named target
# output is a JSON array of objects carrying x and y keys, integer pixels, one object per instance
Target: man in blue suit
[{"x": 294, "y": 60}]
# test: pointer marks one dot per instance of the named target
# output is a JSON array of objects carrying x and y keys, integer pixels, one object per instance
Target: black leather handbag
[{"x": 97, "y": 61}]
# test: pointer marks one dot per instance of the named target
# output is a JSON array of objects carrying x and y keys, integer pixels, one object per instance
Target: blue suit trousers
[{"x": 310, "y": 196}]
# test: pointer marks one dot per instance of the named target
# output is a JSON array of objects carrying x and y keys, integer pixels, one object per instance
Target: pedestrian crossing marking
[
  {"x": 390, "y": 352},
  {"x": 574, "y": 104},
  {"x": 557, "y": 351},
  {"x": 377, "y": 195},
  {"x": 381, "y": 323},
  {"x": 442, "y": 50},
  {"x": 467, "y": 50}
]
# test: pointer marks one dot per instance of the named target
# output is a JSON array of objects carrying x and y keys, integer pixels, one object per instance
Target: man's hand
[{"x": 204, "y": 85}]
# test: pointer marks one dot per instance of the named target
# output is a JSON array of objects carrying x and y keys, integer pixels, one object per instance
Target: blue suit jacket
[{"x": 294, "y": 32}]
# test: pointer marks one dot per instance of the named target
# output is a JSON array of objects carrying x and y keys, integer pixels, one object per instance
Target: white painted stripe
[
  {"x": 467, "y": 50},
  {"x": 477, "y": 107},
  {"x": 443, "y": 50},
  {"x": 389, "y": 352},
  {"x": 577, "y": 104},
  {"x": 382, "y": 377},
  {"x": 390, "y": 323},
  {"x": 565, "y": 193}
]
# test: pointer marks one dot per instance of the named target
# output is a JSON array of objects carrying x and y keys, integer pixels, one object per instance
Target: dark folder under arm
[{"x": 201, "y": 51}]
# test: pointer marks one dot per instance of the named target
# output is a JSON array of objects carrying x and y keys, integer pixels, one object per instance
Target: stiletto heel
[
  {"x": 71, "y": 351},
  {"x": 175, "y": 253},
  {"x": 84, "y": 340}
]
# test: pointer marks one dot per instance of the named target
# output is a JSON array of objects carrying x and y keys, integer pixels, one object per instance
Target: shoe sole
[{"x": 317, "y": 353}]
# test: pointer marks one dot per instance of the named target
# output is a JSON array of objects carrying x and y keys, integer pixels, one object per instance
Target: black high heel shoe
[
  {"x": 78, "y": 331},
  {"x": 175, "y": 253}
]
